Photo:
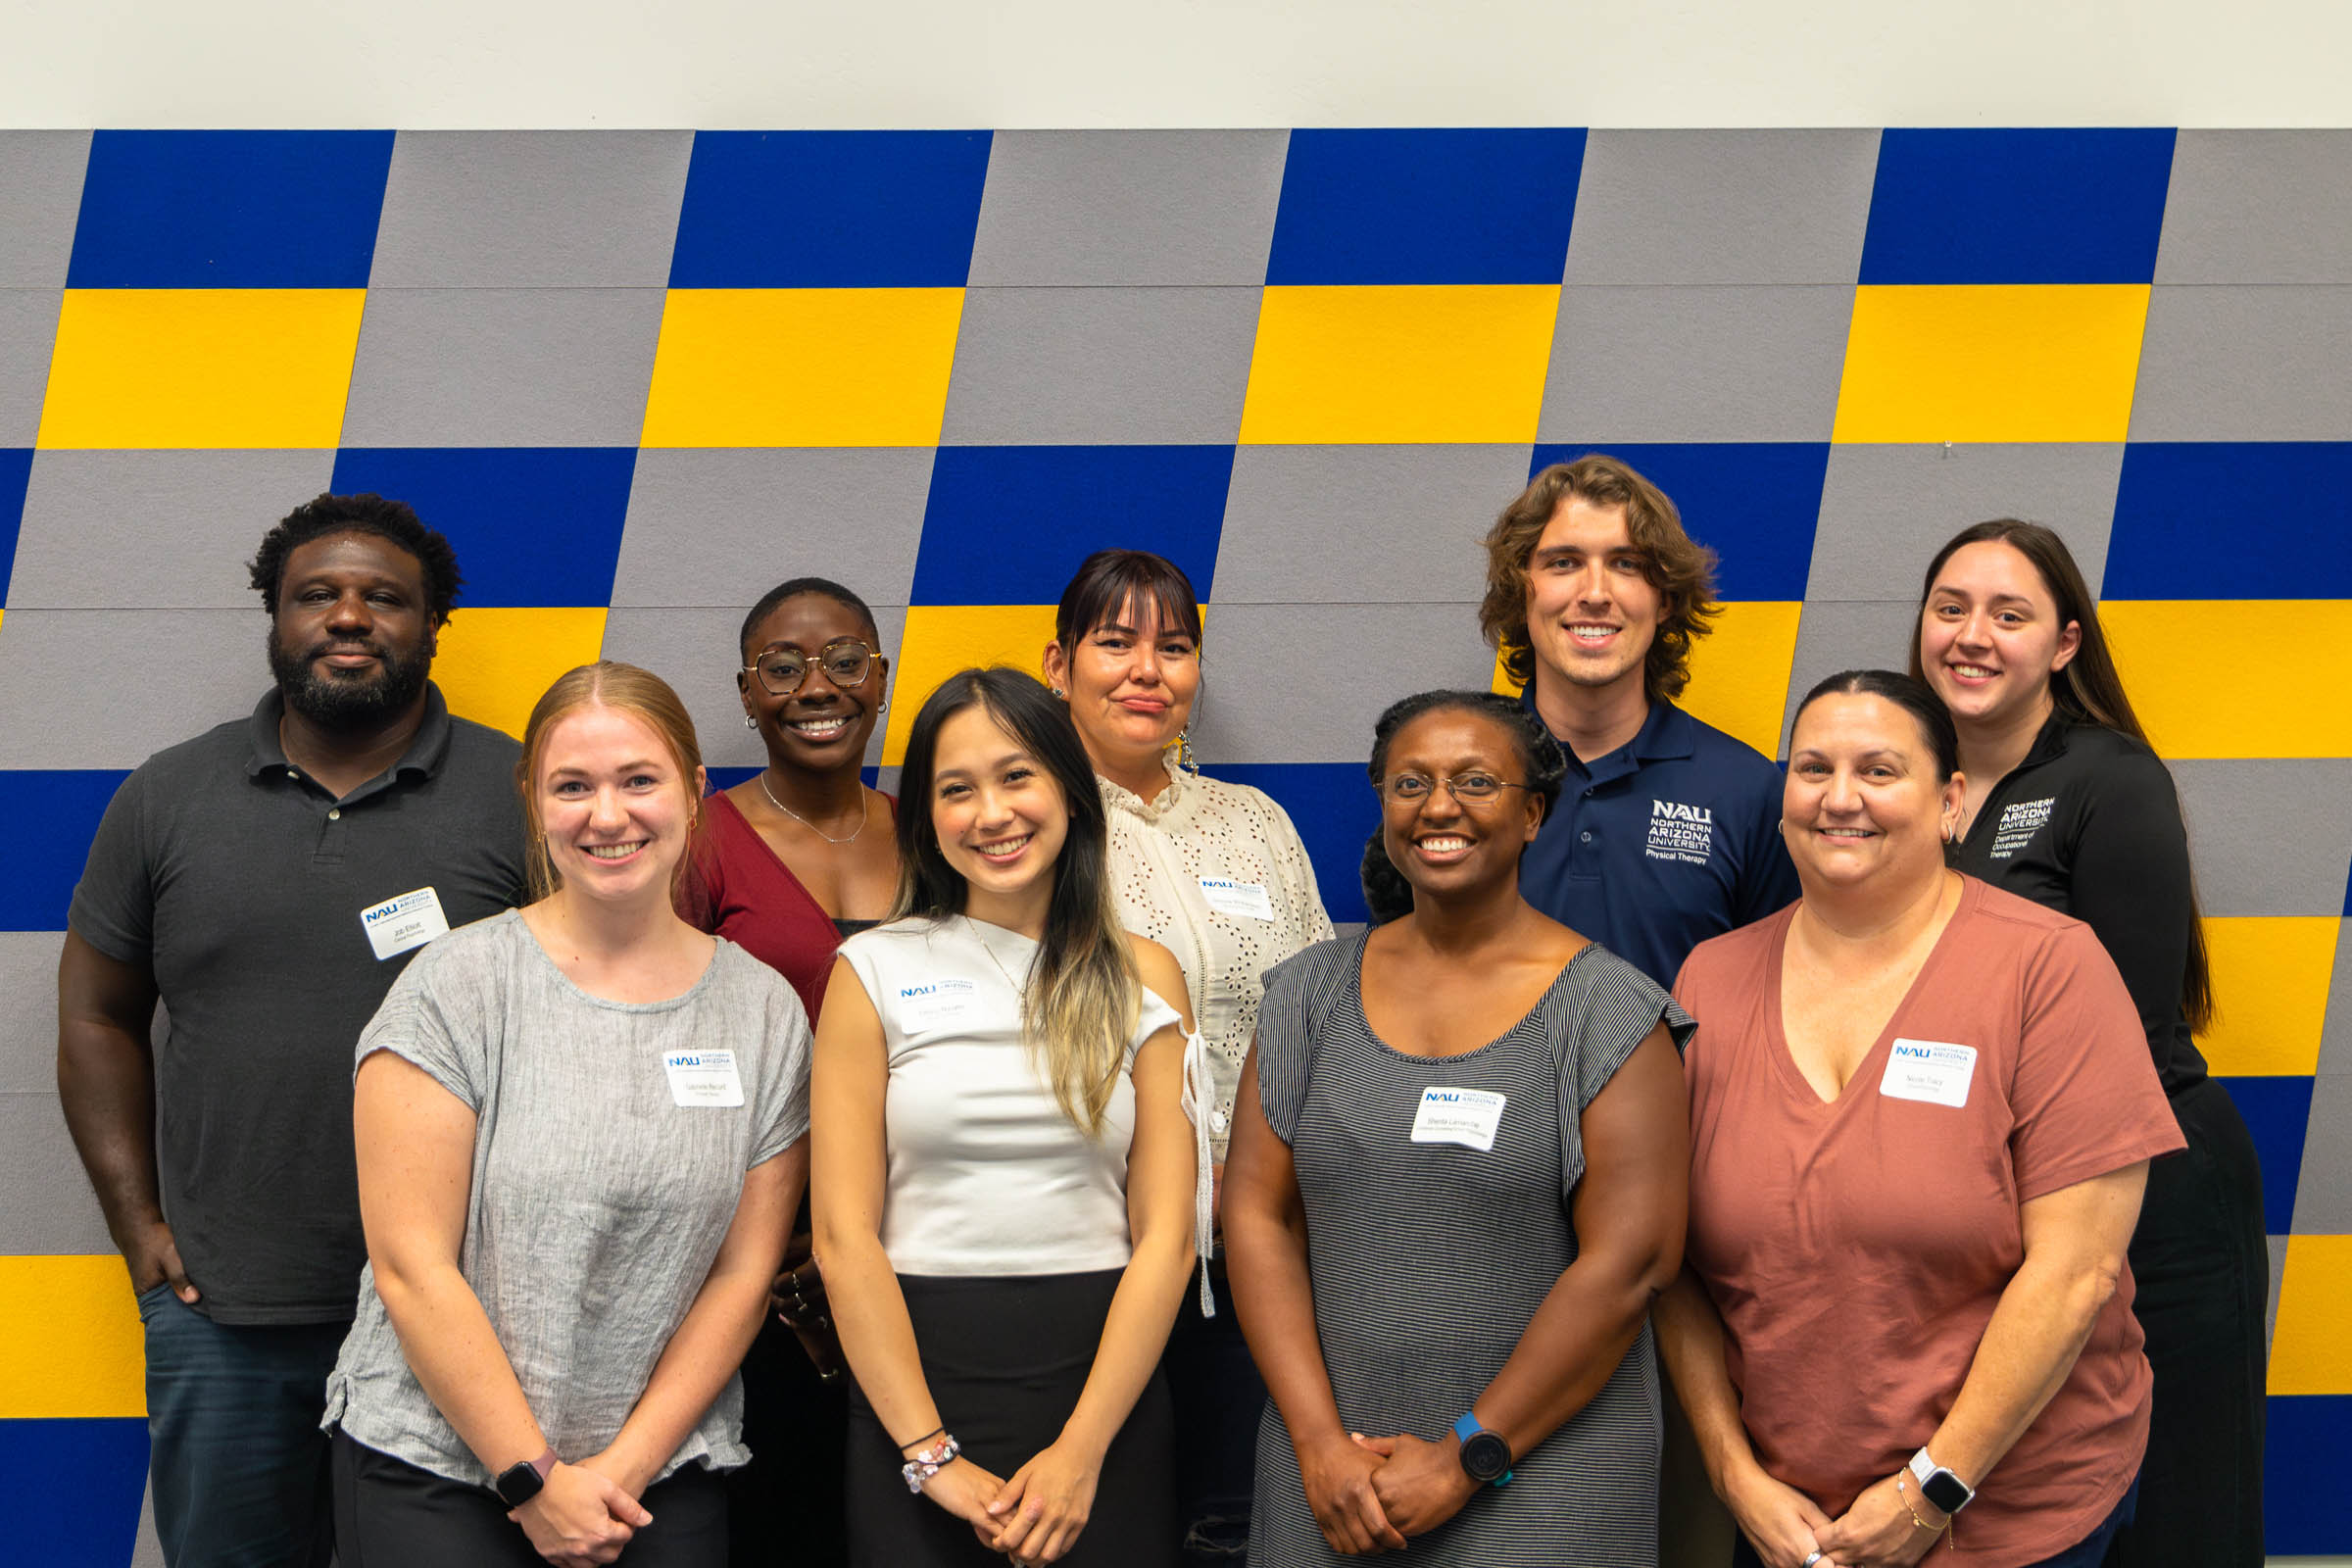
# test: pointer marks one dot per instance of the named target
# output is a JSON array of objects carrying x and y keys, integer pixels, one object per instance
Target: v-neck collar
[{"x": 1873, "y": 1061}]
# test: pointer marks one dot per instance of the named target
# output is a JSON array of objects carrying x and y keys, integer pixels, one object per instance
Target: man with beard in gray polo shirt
[{"x": 266, "y": 882}]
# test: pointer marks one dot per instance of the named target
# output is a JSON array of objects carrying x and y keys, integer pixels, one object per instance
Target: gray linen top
[{"x": 598, "y": 1202}]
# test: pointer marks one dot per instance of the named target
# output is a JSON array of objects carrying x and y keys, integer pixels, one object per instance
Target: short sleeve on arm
[
  {"x": 784, "y": 1077},
  {"x": 1606, "y": 1009},
  {"x": 1285, "y": 1023},
  {"x": 434, "y": 1017},
  {"x": 114, "y": 904},
  {"x": 2085, "y": 1096}
]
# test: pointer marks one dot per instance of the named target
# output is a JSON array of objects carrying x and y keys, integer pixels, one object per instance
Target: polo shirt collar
[
  {"x": 1666, "y": 734},
  {"x": 428, "y": 749}
]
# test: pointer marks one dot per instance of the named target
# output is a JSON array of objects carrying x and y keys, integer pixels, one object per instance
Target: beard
[{"x": 355, "y": 701}]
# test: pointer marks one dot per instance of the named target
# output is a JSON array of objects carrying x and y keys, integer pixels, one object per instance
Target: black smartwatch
[
  {"x": 519, "y": 1484},
  {"x": 1939, "y": 1486},
  {"x": 1485, "y": 1458}
]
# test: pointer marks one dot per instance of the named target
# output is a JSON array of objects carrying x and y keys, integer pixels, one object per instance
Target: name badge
[
  {"x": 699, "y": 1078},
  {"x": 1930, "y": 1070},
  {"x": 1464, "y": 1116},
  {"x": 937, "y": 1003},
  {"x": 410, "y": 920},
  {"x": 1243, "y": 900}
]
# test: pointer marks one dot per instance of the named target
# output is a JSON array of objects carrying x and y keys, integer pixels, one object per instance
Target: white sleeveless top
[{"x": 986, "y": 1175}]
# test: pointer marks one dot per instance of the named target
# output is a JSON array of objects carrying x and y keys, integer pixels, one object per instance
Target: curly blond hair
[{"x": 1678, "y": 565}]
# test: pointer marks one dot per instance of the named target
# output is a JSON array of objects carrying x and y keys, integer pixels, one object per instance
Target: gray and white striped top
[{"x": 1428, "y": 1258}]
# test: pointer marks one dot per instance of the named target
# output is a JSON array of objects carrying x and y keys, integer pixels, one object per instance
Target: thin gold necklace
[{"x": 863, "y": 810}]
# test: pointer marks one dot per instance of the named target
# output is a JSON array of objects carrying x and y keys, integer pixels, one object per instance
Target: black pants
[
  {"x": 2201, "y": 1270},
  {"x": 390, "y": 1515},
  {"x": 1219, "y": 1398}
]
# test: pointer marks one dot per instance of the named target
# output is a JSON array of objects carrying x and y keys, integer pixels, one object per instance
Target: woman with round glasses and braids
[
  {"x": 1460, "y": 1157},
  {"x": 797, "y": 857}
]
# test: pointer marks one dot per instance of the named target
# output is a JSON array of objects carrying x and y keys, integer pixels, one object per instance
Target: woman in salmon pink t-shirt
[{"x": 1921, "y": 1114}]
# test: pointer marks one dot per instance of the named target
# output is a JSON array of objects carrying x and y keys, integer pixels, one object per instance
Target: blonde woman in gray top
[
  {"x": 581, "y": 1134},
  {"x": 1214, "y": 872}
]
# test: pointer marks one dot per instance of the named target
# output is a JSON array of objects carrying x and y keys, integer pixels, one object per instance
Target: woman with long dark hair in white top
[{"x": 1005, "y": 1186}]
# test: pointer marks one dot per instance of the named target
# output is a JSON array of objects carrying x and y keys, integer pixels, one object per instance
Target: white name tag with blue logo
[
  {"x": 398, "y": 924},
  {"x": 935, "y": 1003},
  {"x": 1931, "y": 1071},
  {"x": 702, "y": 1078},
  {"x": 1243, "y": 900},
  {"x": 1464, "y": 1116}
]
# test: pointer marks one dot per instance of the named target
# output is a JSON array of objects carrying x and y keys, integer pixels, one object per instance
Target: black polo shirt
[
  {"x": 1669, "y": 840},
  {"x": 2090, "y": 826},
  {"x": 239, "y": 882}
]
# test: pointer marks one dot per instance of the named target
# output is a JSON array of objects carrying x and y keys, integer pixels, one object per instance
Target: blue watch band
[{"x": 1466, "y": 1427}]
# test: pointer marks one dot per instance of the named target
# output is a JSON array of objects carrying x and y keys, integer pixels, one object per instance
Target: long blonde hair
[
  {"x": 1083, "y": 994},
  {"x": 626, "y": 688}
]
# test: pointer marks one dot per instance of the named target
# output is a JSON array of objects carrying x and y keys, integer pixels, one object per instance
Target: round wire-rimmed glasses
[{"x": 844, "y": 660}]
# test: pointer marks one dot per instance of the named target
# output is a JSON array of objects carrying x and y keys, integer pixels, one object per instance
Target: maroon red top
[{"x": 740, "y": 889}]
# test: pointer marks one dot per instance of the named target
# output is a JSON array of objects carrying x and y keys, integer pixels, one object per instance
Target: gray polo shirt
[{"x": 240, "y": 883}]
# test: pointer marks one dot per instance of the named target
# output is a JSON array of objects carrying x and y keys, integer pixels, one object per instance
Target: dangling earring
[{"x": 1184, "y": 750}]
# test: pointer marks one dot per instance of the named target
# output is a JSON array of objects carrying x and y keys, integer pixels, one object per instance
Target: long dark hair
[
  {"x": 1083, "y": 994},
  {"x": 1387, "y": 893},
  {"x": 2090, "y": 690}
]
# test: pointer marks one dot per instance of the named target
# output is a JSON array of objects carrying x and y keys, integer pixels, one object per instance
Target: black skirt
[{"x": 1006, "y": 1360}]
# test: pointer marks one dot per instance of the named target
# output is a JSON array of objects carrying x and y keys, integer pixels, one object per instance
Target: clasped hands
[
  {"x": 1369, "y": 1494},
  {"x": 1034, "y": 1517},
  {"x": 584, "y": 1515},
  {"x": 1879, "y": 1531}
]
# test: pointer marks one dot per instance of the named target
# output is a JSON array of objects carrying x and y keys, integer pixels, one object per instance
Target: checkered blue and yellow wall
[{"x": 637, "y": 378}]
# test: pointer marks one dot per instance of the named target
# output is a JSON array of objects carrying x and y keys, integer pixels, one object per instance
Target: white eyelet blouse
[{"x": 1215, "y": 874}]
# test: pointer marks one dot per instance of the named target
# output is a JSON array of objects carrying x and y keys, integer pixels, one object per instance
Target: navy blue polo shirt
[{"x": 1669, "y": 840}]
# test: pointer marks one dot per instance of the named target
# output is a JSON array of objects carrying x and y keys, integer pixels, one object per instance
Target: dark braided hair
[
  {"x": 1387, "y": 893},
  {"x": 367, "y": 514}
]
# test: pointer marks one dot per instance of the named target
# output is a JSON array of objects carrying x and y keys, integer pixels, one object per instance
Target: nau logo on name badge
[
  {"x": 1679, "y": 832},
  {"x": 1932, "y": 1071},
  {"x": 937, "y": 1002},
  {"x": 699, "y": 1078},
  {"x": 1464, "y": 1116},
  {"x": 1246, "y": 901},
  {"x": 398, "y": 924}
]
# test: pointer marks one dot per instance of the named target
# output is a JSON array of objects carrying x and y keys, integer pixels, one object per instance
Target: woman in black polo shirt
[{"x": 2068, "y": 806}]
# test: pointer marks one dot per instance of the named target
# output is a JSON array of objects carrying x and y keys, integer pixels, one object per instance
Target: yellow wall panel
[
  {"x": 2310, "y": 1352},
  {"x": 495, "y": 663},
  {"x": 71, "y": 1346},
  {"x": 2195, "y": 705},
  {"x": 2042, "y": 362},
  {"x": 803, "y": 368},
  {"x": 942, "y": 639},
  {"x": 1739, "y": 672},
  {"x": 200, "y": 368},
  {"x": 2270, "y": 977},
  {"x": 1400, "y": 363}
]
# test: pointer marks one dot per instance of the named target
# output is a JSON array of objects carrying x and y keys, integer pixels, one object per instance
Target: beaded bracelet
[{"x": 929, "y": 1462}]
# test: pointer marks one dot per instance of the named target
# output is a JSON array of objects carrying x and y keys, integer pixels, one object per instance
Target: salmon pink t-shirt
[{"x": 1856, "y": 1247}]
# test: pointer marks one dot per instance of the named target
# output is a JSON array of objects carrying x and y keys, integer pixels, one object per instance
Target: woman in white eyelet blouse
[{"x": 1215, "y": 874}]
